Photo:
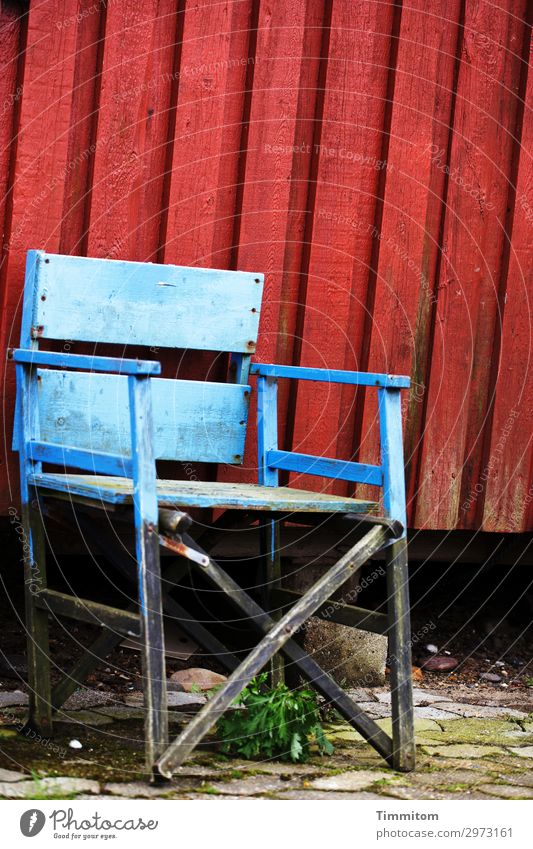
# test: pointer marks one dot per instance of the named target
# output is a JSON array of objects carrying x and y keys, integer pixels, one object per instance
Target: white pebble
[
  {"x": 75, "y": 744},
  {"x": 431, "y": 648}
]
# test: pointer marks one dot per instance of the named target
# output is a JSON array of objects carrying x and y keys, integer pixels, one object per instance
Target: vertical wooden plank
[
  {"x": 408, "y": 239},
  {"x": 136, "y": 83},
  {"x": 277, "y": 164},
  {"x": 148, "y": 569},
  {"x": 508, "y": 465},
  {"x": 203, "y": 183},
  {"x": 470, "y": 273},
  {"x": 349, "y": 168},
  {"x": 82, "y": 143},
  {"x": 399, "y": 613},
  {"x": 270, "y": 539},
  {"x": 34, "y": 557},
  {"x": 11, "y": 51},
  {"x": 390, "y": 425},
  {"x": 41, "y": 164},
  {"x": 215, "y": 61},
  {"x": 267, "y": 428}
]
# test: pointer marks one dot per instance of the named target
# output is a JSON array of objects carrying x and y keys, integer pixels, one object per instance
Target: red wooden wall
[{"x": 373, "y": 158}]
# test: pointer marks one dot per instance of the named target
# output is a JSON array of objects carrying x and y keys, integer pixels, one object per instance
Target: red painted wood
[
  {"x": 11, "y": 48},
  {"x": 41, "y": 165},
  {"x": 127, "y": 190},
  {"x": 470, "y": 274},
  {"x": 203, "y": 181},
  {"x": 252, "y": 135},
  {"x": 506, "y": 471},
  {"x": 409, "y": 237},
  {"x": 343, "y": 216},
  {"x": 82, "y": 138},
  {"x": 272, "y": 216}
]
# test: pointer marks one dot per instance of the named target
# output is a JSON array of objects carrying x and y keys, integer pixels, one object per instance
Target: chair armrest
[
  {"x": 389, "y": 475},
  {"x": 357, "y": 378},
  {"x": 83, "y": 361}
]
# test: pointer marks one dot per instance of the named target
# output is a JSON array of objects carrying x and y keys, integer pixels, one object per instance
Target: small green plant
[
  {"x": 273, "y": 722},
  {"x": 529, "y": 682}
]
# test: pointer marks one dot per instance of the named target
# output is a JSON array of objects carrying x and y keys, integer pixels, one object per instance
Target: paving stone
[
  {"x": 479, "y": 711},
  {"x": 462, "y": 750},
  {"x": 82, "y": 717},
  {"x": 446, "y": 777},
  {"x": 377, "y": 710},
  {"x": 197, "y": 771},
  {"x": 218, "y": 797},
  {"x": 521, "y": 779},
  {"x": 346, "y": 732},
  {"x": 48, "y": 787},
  {"x": 419, "y": 793},
  {"x": 83, "y": 699},
  {"x": 362, "y": 694},
  {"x": 175, "y": 701},
  {"x": 420, "y": 696},
  {"x": 522, "y": 751},
  {"x": 11, "y": 775},
  {"x": 280, "y": 768},
  {"x": 143, "y": 790},
  {"x": 482, "y": 731},
  {"x": 355, "y": 780},
  {"x": 122, "y": 713},
  {"x": 506, "y": 791},
  {"x": 254, "y": 785},
  {"x": 433, "y": 712},
  {"x": 317, "y": 795},
  {"x": 14, "y": 697}
]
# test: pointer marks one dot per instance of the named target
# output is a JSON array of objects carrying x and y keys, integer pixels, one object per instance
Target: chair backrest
[{"x": 157, "y": 306}]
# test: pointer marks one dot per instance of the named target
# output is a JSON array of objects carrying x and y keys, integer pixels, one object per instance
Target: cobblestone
[{"x": 465, "y": 751}]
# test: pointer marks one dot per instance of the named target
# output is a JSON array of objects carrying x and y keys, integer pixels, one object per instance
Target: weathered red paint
[{"x": 374, "y": 160}]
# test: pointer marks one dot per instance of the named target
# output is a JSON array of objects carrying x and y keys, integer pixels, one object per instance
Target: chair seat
[{"x": 181, "y": 494}]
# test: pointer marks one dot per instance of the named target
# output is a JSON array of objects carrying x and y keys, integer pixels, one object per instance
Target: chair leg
[
  {"x": 153, "y": 654},
  {"x": 38, "y": 650},
  {"x": 271, "y": 579},
  {"x": 277, "y": 636},
  {"x": 403, "y": 735}
]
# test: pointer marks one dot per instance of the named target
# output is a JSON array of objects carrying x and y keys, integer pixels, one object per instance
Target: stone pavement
[{"x": 472, "y": 744}]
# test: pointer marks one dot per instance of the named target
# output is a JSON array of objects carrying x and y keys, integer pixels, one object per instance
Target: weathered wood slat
[
  {"x": 193, "y": 420},
  {"x": 148, "y": 569},
  {"x": 204, "y": 494},
  {"x": 98, "y": 462},
  {"x": 89, "y": 611},
  {"x": 306, "y": 464},
  {"x": 129, "y": 303},
  {"x": 342, "y": 614},
  {"x": 327, "y": 375}
]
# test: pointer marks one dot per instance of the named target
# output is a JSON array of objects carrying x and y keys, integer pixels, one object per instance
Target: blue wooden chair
[{"x": 111, "y": 418}]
